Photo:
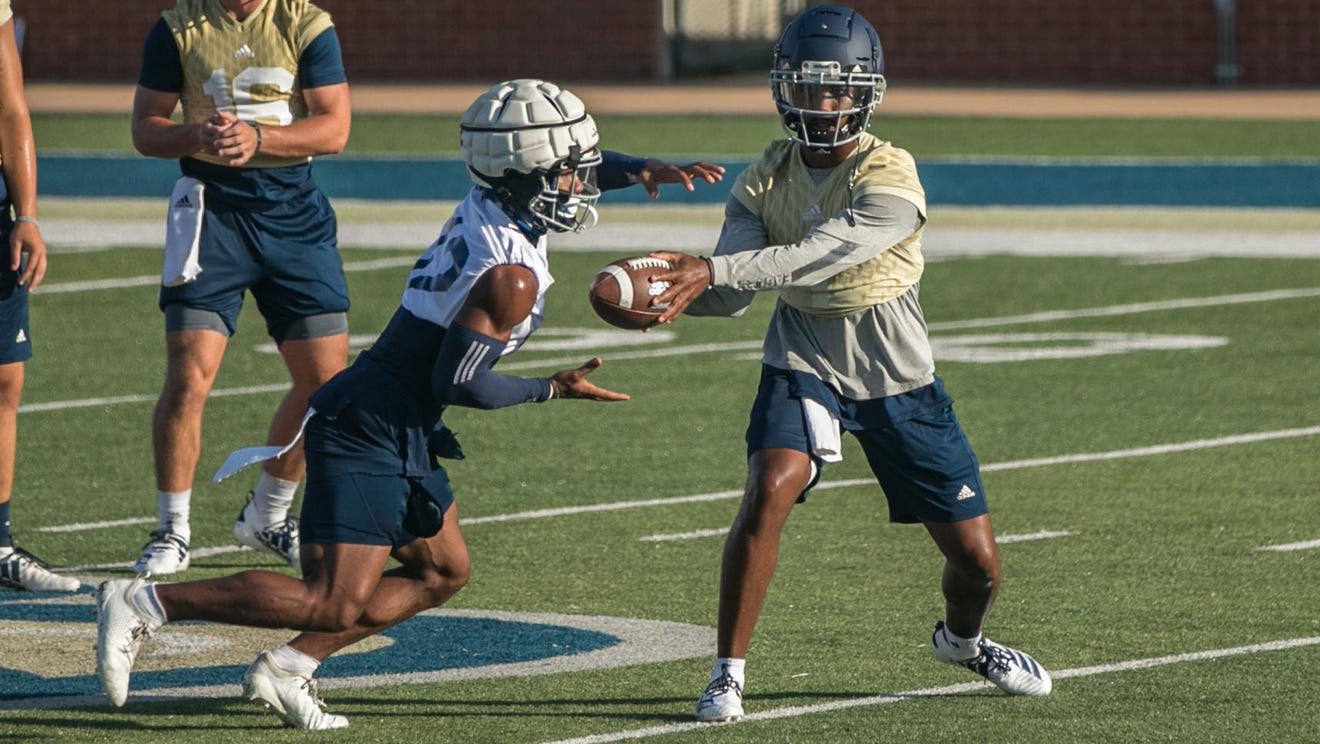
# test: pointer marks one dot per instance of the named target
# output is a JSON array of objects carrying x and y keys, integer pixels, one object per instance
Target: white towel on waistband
[
  {"x": 183, "y": 233},
  {"x": 239, "y": 459},
  {"x": 823, "y": 431}
]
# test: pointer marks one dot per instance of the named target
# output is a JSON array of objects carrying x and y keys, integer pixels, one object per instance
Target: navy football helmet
[{"x": 828, "y": 76}]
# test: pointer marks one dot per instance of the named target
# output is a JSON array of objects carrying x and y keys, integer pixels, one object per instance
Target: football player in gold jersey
[
  {"x": 831, "y": 219},
  {"x": 263, "y": 90},
  {"x": 21, "y": 271}
]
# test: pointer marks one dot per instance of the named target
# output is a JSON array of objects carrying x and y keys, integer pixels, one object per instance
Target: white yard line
[
  {"x": 1291, "y": 547},
  {"x": 1161, "y": 449},
  {"x": 1033, "y": 536},
  {"x": 1055, "y": 315},
  {"x": 195, "y": 553},
  {"x": 149, "y": 280},
  {"x": 697, "y": 534},
  {"x": 693, "y": 535},
  {"x": 64, "y": 405},
  {"x": 1131, "y": 308},
  {"x": 87, "y": 526},
  {"x": 797, "y": 711}
]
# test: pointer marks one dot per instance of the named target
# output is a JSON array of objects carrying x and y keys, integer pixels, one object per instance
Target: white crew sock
[
  {"x": 271, "y": 499},
  {"x": 173, "y": 510},
  {"x": 146, "y": 604},
  {"x": 733, "y": 667},
  {"x": 6, "y": 551},
  {"x": 292, "y": 660},
  {"x": 969, "y": 646}
]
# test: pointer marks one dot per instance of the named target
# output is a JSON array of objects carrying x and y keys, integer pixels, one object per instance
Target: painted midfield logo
[{"x": 45, "y": 653}]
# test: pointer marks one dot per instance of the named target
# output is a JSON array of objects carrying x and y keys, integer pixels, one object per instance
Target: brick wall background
[{"x": 1086, "y": 42}]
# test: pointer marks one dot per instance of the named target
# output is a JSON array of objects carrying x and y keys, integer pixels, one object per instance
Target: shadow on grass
[
  {"x": 196, "y": 714},
  {"x": 638, "y": 709}
]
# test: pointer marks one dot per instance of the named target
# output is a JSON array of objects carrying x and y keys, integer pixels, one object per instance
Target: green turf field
[
  {"x": 1148, "y": 433},
  {"x": 745, "y": 136},
  {"x": 1154, "y": 553}
]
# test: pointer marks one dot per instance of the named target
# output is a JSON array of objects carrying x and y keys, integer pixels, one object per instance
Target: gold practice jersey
[
  {"x": 248, "y": 67},
  {"x": 790, "y": 203}
]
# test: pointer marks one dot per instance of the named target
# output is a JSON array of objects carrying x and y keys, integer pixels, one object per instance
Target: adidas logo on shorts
[{"x": 966, "y": 493}]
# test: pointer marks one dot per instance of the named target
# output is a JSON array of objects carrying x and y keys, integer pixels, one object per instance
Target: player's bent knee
[
  {"x": 440, "y": 585},
  {"x": 11, "y": 393},
  {"x": 981, "y": 567},
  {"x": 769, "y": 499}
]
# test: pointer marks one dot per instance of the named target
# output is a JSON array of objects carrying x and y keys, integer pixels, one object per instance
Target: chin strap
[{"x": 508, "y": 202}]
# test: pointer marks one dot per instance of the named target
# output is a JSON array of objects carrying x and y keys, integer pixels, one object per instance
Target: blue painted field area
[{"x": 1033, "y": 183}]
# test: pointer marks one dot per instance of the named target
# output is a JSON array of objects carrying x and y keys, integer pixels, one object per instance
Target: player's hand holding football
[
  {"x": 690, "y": 277},
  {"x": 572, "y": 383}
]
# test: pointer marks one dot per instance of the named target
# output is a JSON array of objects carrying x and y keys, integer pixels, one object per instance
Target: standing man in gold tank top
[
  {"x": 831, "y": 219},
  {"x": 263, "y": 90}
]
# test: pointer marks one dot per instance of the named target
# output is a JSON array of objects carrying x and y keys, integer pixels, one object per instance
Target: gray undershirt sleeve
[
  {"x": 742, "y": 231},
  {"x": 879, "y": 222}
]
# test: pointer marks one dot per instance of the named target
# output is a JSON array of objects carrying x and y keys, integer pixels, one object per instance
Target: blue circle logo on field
[{"x": 47, "y": 654}]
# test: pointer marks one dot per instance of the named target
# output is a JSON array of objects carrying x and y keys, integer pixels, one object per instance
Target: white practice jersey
[{"x": 477, "y": 237}]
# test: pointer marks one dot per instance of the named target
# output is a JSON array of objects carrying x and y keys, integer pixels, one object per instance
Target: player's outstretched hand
[
  {"x": 657, "y": 172},
  {"x": 687, "y": 280},
  {"x": 572, "y": 383}
]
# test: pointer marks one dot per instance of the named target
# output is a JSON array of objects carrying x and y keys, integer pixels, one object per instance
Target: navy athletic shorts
[
  {"x": 15, "y": 334},
  {"x": 912, "y": 441},
  {"x": 358, "y": 490},
  {"x": 286, "y": 254}
]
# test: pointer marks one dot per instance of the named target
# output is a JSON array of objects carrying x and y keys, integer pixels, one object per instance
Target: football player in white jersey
[
  {"x": 375, "y": 488},
  {"x": 263, "y": 89},
  {"x": 831, "y": 219},
  {"x": 23, "y": 267}
]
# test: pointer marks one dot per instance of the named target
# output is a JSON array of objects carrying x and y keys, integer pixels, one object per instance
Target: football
[{"x": 621, "y": 292}]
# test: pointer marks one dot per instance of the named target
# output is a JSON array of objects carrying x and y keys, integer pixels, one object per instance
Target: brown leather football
[{"x": 621, "y": 292}]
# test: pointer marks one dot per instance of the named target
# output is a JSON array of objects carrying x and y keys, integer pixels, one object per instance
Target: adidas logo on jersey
[
  {"x": 244, "y": 52},
  {"x": 813, "y": 214},
  {"x": 183, "y": 203},
  {"x": 966, "y": 493},
  {"x": 21, "y": 337}
]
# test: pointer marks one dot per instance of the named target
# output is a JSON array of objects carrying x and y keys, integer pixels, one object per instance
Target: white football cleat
[
  {"x": 279, "y": 539},
  {"x": 120, "y": 631},
  {"x": 165, "y": 553},
  {"x": 21, "y": 571},
  {"x": 286, "y": 694},
  {"x": 1008, "y": 669},
  {"x": 721, "y": 701}
]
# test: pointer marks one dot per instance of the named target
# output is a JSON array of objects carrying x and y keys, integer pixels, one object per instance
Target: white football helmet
[{"x": 533, "y": 145}]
